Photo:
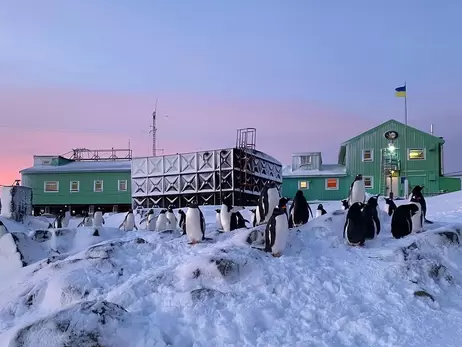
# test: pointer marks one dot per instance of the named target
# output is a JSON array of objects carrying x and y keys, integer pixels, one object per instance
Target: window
[
  {"x": 416, "y": 154},
  {"x": 331, "y": 183},
  {"x": 74, "y": 186},
  {"x": 123, "y": 185},
  {"x": 303, "y": 185},
  {"x": 305, "y": 160},
  {"x": 368, "y": 155},
  {"x": 368, "y": 182},
  {"x": 51, "y": 186},
  {"x": 98, "y": 186}
]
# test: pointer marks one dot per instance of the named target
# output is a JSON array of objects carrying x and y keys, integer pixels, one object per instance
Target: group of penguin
[
  {"x": 362, "y": 220},
  {"x": 63, "y": 217}
]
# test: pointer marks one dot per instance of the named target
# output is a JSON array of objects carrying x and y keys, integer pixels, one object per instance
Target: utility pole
[{"x": 154, "y": 130}]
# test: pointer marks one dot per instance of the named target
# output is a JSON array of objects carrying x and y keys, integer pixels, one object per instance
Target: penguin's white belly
[
  {"x": 318, "y": 213},
  {"x": 225, "y": 218},
  {"x": 218, "y": 220},
  {"x": 161, "y": 223},
  {"x": 273, "y": 201},
  {"x": 129, "y": 223},
  {"x": 282, "y": 234},
  {"x": 417, "y": 219},
  {"x": 358, "y": 193},
  {"x": 151, "y": 223},
  {"x": 98, "y": 219},
  {"x": 193, "y": 226},
  {"x": 257, "y": 216},
  {"x": 66, "y": 219},
  {"x": 171, "y": 220}
]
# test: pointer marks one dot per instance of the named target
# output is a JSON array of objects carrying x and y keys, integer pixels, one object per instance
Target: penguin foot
[
  {"x": 192, "y": 243},
  {"x": 428, "y": 221},
  {"x": 277, "y": 255}
]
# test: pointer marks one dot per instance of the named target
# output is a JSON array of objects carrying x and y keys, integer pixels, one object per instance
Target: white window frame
[
  {"x": 372, "y": 182},
  {"x": 367, "y": 160},
  {"x": 307, "y": 184},
  {"x": 78, "y": 186},
  {"x": 424, "y": 151},
  {"x": 126, "y": 185},
  {"x": 331, "y": 178},
  {"x": 308, "y": 158},
  {"x": 94, "y": 186},
  {"x": 50, "y": 191}
]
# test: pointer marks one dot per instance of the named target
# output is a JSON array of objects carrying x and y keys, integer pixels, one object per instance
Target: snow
[
  {"x": 78, "y": 166},
  {"x": 5, "y": 202},
  {"x": 326, "y": 170},
  {"x": 153, "y": 289}
]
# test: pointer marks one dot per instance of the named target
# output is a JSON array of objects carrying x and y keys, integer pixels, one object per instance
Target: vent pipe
[{"x": 431, "y": 129}]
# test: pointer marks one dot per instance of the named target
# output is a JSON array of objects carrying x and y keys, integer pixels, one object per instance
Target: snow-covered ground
[{"x": 153, "y": 289}]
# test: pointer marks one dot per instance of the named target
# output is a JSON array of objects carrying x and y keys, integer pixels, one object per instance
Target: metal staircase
[{"x": 389, "y": 164}]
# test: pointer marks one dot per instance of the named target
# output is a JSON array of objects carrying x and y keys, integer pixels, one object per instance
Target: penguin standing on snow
[
  {"x": 182, "y": 222},
  {"x": 320, "y": 211},
  {"x": 171, "y": 217},
  {"x": 151, "y": 221},
  {"x": 390, "y": 206},
  {"x": 253, "y": 220},
  {"x": 357, "y": 191},
  {"x": 268, "y": 200},
  {"x": 401, "y": 221},
  {"x": 277, "y": 229},
  {"x": 418, "y": 217},
  {"x": 238, "y": 221},
  {"x": 87, "y": 221},
  {"x": 299, "y": 212},
  {"x": 226, "y": 213},
  {"x": 67, "y": 217},
  {"x": 129, "y": 221},
  {"x": 417, "y": 193},
  {"x": 98, "y": 219},
  {"x": 3, "y": 229},
  {"x": 162, "y": 221},
  {"x": 59, "y": 220},
  {"x": 218, "y": 219},
  {"x": 354, "y": 230},
  {"x": 195, "y": 224},
  {"x": 371, "y": 218}
]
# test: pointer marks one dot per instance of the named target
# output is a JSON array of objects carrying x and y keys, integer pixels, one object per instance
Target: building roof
[
  {"x": 391, "y": 121},
  {"x": 81, "y": 166},
  {"x": 326, "y": 170}
]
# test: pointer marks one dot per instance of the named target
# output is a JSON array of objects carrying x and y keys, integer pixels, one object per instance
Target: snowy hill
[{"x": 153, "y": 289}]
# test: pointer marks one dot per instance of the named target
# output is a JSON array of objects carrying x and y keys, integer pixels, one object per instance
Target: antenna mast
[{"x": 154, "y": 130}]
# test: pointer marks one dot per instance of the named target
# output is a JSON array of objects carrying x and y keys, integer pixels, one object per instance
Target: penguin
[
  {"x": 354, "y": 230},
  {"x": 59, "y": 220},
  {"x": 253, "y": 220},
  {"x": 299, "y": 212},
  {"x": 162, "y": 221},
  {"x": 171, "y": 217},
  {"x": 401, "y": 221},
  {"x": 129, "y": 221},
  {"x": 371, "y": 218},
  {"x": 357, "y": 191},
  {"x": 320, "y": 211},
  {"x": 195, "y": 224},
  {"x": 418, "y": 216},
  {"x": 417, "y": 193},
  {"x": 268, "y": 200},
  {"x": 218, "y": 219},
  {"x": 237, "y": 221},
  {"x": 390, "y": 206},
  {"x": 226, "y": 212},
  {"x": 3, "y": 229},
  {"x": 67, "y": 217},
  {"x": 277, "y": 229},
  {"x": 345, "y": 204},
  {"x": 182, "y": 222},
  {"x": 98, "y": 219},
  {"x": 151, "y": 221},
  {"x": 86, "y": 221}
]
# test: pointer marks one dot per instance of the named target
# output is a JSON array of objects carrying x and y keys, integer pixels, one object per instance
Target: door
[{"x": 393, "y": 186}]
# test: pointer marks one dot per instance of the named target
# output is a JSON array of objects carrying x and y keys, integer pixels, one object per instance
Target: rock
[
  {"x": 204, "y": 293},
  {"x": 41, "y": 235},
  {"x": 423, "y": 293},
  {"x": 140, "y": 240},
  {"x": 96, "y": 233},
  {"x": 438, "y": 271},
  {"x": 452, "y": 236},
  {"x": 225, "y": 266}
]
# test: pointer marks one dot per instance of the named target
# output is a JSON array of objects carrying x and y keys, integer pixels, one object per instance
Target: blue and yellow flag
[{"x": 401, "y": 92}]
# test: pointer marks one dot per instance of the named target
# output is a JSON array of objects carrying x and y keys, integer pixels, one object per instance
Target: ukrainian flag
[{"x": 401, "y": 92}]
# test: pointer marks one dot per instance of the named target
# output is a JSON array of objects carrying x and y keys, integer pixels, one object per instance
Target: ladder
[{"x": 389, "y": 163}]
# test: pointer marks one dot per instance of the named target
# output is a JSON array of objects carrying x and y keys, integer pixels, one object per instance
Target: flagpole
[{"x": 406, "y": 184}]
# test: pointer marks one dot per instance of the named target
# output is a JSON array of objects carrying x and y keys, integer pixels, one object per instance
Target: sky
[{"x": 307, "y": 74}]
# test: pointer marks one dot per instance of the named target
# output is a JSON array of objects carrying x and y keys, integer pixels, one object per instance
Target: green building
[
  {"x": 81, "y": 185},
  {"x": 380, "y": 155}
]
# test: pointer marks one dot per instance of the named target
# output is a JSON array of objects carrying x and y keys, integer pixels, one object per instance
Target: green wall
[
  {"x": 85, "y": 195},
  {"x": 316, "y": 190},
  {"x": 423, "y": 172},
  {"x": 450, "y": 184}
]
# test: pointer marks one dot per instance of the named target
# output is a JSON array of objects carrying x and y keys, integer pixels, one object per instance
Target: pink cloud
[{"x": 48, "y": 121}]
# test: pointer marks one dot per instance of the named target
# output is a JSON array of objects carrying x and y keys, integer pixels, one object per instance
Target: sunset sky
[{"x": 307, "y": 74}]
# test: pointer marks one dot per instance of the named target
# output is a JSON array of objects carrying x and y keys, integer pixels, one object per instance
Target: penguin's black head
[
  {"x": 217, "y": 210},
  {"x": 388, "y": 201},
  {"x": 299, "y": 193},
  {"x": 416, "y": 198},
  {"x": 373, "y": 202},
  {"x": 417, "y": 189},
  {"x": 130, "y": 210},
  {"x": 357, "y": 206},
  {"x": 253, "y": 211},
  {"x": 163, "y": 211},
  {"x": 181, "y": 212},
  {"x": 320, "y": 207},
  {"x": 270, "y": 184},
  {"x": 345, "y": 203},
  {"x": 193, "y": 205},
  {"x": 98, "y": 209},
  {"x": 359, "y": 177},
  {"x": 151, "y": 211},
  {"x": 283, "y": 203},
  {"x": 413, "y": 209}
]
